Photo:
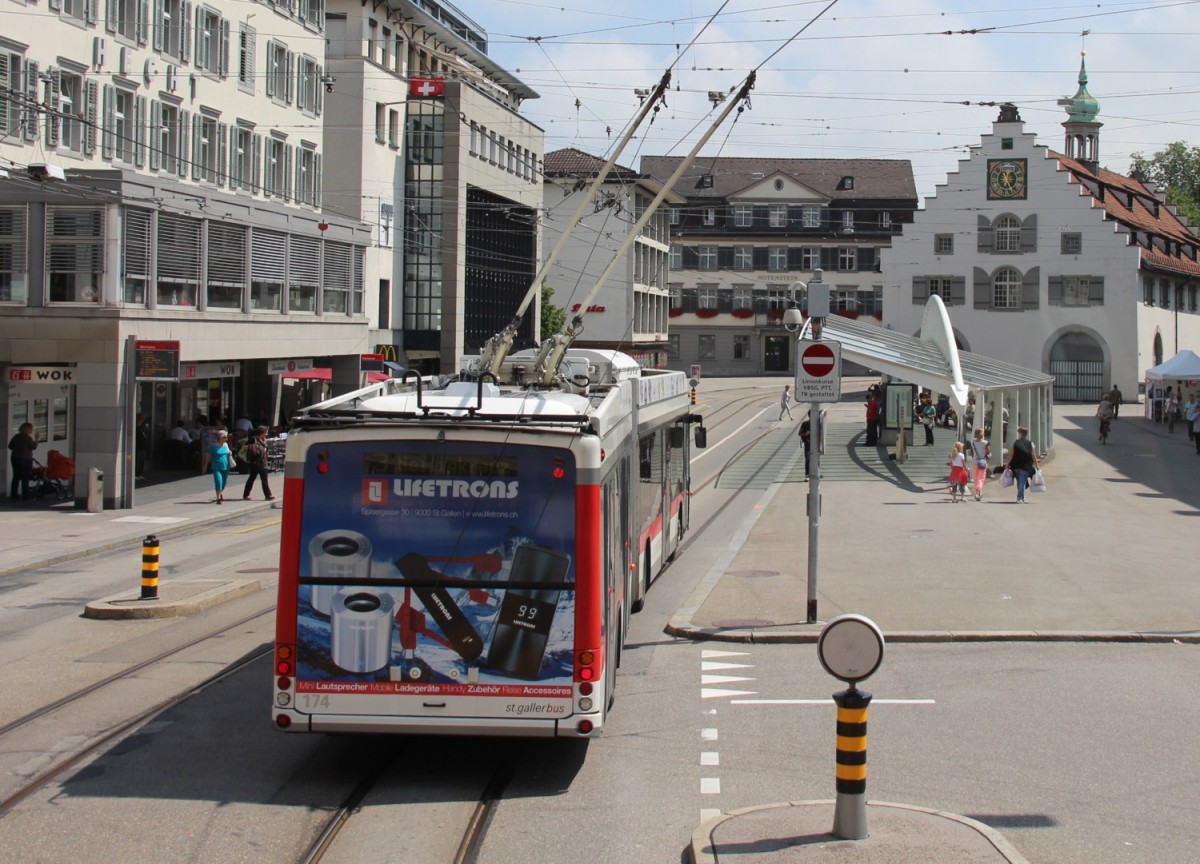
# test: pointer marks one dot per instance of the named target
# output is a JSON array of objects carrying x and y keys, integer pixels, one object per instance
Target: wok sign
[{"x": 818, "y": 371}]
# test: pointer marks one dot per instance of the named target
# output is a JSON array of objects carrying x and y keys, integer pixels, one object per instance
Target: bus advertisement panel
[{"x": 437, "y": 569}]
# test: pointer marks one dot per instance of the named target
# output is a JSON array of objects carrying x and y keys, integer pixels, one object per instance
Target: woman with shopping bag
[{"x": 1022, "y": 462}]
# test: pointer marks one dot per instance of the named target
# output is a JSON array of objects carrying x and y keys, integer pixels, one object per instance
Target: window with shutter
[
  {"x": 74, "y": 253},
  {"x": 335, "y": 293},
  {"x": 226, "y": 265},
  {"x": 268, "y": 268},
  {"x": 212, "y": 36},
  {"x": 135, "y": 254},
  {"x": 241, "y": 137},
  {"x": 31, "y": 112},
  {"x": 178, "y": 276},
  {"x": 304, "y": 273},
  {"x": 356, "y": 279},
  {"x": 14, "y": 276},
  {"x": 246, "y": 36},
  {"x": 10, "y": 79},
  {"x": 1006, "y": 289},
  {"x": 53, "y": 103}
]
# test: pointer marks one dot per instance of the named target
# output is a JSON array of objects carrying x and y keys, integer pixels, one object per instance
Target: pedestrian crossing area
[{"x": 778, "y": 457}]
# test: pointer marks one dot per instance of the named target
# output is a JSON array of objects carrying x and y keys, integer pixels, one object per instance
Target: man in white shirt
[{"x": 1189, "y": 411}]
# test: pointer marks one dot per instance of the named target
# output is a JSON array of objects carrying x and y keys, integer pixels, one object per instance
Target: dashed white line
[
  {"x": 710, "y": 785},
  {"x": 710, "y": 757}
]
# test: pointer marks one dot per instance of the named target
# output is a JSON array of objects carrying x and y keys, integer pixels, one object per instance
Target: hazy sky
[{"x": 865, "y": 78}]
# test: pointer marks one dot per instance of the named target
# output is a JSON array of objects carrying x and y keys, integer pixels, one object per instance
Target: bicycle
[{"x": 1104, "y": 424}]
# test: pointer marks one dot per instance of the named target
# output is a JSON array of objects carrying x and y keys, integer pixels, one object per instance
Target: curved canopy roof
[{"x": 929, "y": 360}]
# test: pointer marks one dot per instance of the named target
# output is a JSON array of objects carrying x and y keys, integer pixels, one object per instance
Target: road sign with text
[{"x": 818, "y": 371}]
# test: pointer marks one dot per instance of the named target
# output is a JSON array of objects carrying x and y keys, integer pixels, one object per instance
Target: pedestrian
[
  {"x": 1196, "y": 432},
  {"x": 1172, "y": 409},
  {"x": 220, "y": 459},
  {"x": 981, "y": 452},
  {"x": 873, "y": 416},
  {"x": 256, "y": 459},
  {"x": 958, "y": 473},
  {"x": 1189, "y": 412},
  {"x": 1022, "y": 461},
  {"x": 22, "y": 445},
  {"x": 141, "y": 446},
  {"x": 806, "y": 440},
  {"x": 928, "y": 413},
  {"x": 1114, "y": 396},
  {"x": 1105, "y": 414},
  {"x": 785, "y": 402}
]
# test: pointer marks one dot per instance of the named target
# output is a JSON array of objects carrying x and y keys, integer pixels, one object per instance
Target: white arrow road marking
[
  {"x": 712, "y": 692},
  {"x": 708, "y": 654},
  {"x": 828, "y": 702},
  {"x": 714, "y": 667},
  {"x": 722, "y": 679}
]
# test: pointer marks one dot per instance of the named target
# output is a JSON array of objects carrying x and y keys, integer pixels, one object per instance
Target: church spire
[{"x": 1082, "y": 127}]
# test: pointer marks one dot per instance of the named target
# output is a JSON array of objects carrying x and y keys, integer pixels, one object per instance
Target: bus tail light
[
  {"x": 283, "y": 660},
  {"x": 585, "y": 727},
  {"x": 283, "y": 721},
  {"x": 586, "y": 663}
]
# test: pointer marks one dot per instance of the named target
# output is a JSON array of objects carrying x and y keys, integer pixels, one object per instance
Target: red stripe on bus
[
  {"x": 288, "y": 605},
  {"x": 589, "y": 580}
]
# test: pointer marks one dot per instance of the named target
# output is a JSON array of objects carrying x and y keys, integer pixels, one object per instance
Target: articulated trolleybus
[{"x": 463, "y": 559}]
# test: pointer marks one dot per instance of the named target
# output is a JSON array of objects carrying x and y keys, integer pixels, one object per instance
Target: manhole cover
[
  {"x": 743, "y": 622},
  {"x": 752, "y": 574}
]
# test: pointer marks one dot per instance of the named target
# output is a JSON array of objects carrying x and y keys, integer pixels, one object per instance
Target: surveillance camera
[
  {"x": 793, "y": 320},
  {"x": 43, "y": 171},
  {"x": 328, "y": 81}
]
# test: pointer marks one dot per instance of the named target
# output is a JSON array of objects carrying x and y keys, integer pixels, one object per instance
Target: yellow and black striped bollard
[
  {"x": 850, "y": 810},
  {"x": 150, "y": 568}
]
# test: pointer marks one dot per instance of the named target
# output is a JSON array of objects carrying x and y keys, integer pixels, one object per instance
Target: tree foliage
[
  {"x": 1175, "y": 172},
  {"x": 553, "y": 317}
]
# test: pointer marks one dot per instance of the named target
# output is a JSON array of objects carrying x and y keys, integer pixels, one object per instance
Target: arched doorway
[
  {"x": 1158, "y": 349},
  {"x": 1077, "y": 364}
]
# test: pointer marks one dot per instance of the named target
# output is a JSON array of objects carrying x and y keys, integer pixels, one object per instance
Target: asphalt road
[{"x": 1075, "y": 752}]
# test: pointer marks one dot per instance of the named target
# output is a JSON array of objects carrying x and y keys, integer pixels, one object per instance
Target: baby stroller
[{"x": 57, "y": 476}]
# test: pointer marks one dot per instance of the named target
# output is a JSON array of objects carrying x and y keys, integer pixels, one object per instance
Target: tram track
[
  {"x": 474, "y": 831},
  {"x": 117, "y": 731}
]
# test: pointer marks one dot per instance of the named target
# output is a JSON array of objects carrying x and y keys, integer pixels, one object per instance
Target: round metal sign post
[{"x": 851, "y": 648}]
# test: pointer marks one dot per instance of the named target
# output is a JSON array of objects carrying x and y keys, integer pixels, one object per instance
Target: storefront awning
[{"x": 327, "y": 375}]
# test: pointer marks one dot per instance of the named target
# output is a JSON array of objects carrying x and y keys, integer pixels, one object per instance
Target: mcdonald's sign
[{"x": 387, "y": 352}]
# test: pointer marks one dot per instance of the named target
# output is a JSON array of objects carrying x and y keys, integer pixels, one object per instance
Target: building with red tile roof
[{"x": 1047, "y": 260}]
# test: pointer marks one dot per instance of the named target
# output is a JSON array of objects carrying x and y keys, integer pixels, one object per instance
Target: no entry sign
[{"x": 818, "y": 371}]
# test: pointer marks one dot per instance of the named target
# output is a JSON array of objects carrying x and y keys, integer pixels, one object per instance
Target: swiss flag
[{"x": 426, "y": 88}]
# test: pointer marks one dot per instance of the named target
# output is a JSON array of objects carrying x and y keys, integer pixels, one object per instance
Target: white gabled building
[{"x": 1046, "y": 260}]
